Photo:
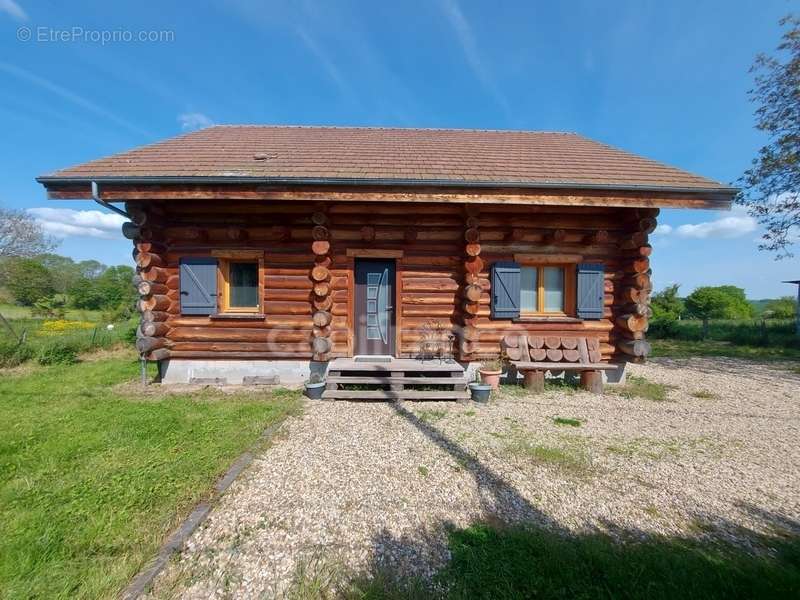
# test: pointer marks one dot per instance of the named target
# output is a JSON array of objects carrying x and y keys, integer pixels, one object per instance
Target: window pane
[
  {"x": 553, "y": 289},
  {"x": 528, "y": 287},
  {"x": 243, "y": 285}
]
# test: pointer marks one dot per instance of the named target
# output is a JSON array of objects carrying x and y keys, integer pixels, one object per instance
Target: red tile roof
[{"x": 390, "y": 156}]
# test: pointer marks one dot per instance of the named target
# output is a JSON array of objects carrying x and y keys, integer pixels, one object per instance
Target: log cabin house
[{"x": 271, "y": 251}]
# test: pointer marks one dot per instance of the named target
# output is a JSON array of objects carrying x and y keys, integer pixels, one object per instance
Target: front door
[{"x": 374, "y": 309}]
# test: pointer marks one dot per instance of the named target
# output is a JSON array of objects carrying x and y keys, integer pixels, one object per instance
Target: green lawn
[
  {"x": 91, "y": 479},
  {"x": 689, "y": 349}
]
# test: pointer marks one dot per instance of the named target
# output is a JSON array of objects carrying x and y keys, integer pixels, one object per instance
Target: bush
[
  {"x": 58, "y": 352},
  {"x": 14, "y": 353}
]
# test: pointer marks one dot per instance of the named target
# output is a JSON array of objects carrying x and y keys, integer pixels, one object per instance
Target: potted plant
[
  {"x": 314, "y": 386},
  {"x": 490, "y": 372},
  {"x": 480, "y": 392}
]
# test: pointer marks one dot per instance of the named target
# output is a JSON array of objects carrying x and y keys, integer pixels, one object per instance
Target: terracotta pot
[{"x": 490, "y": 377}]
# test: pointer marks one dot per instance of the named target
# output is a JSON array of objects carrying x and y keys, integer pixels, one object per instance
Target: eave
[{"x": 143, "y": 188}]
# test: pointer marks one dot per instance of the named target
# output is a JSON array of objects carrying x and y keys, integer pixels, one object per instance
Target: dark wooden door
[{"x": 374, "y": 307}]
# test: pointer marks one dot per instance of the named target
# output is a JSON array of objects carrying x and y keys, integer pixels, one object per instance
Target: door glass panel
[
  {"x": 529, "y": 289},
  {"x": 383, "y": 304},
  {"x": 243, "y": 285},
  {"x": 553, "y": 289}
]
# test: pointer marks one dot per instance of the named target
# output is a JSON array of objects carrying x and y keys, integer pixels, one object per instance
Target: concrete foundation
[{"x": 234, "y": 372}]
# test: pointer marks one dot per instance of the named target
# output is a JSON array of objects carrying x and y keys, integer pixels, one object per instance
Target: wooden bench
[{"x": 534, "y": 355}]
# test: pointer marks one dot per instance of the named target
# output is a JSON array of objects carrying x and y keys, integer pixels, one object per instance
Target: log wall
[{"x": 443, "y": 288}]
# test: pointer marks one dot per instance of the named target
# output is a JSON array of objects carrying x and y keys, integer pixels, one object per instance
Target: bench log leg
[
  {"x": 592, "y": 381},
  {"x": 534, "y": 381}
]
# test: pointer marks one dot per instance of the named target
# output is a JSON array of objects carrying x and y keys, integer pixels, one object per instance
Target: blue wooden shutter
[
  {"x": 505, "y": 282},
  {"x": 590, "y": 290},
  {"x": 198, "y": 286}
]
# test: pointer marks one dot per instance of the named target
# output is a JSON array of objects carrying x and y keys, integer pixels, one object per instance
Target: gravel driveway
[{"x": 376, "y": 485}]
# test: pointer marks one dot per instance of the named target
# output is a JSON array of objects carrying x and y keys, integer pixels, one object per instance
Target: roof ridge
[{"x": 384, "y": 128}]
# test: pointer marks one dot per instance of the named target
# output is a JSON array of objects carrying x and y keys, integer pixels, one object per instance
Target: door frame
[{"x": 388, "y": 255}]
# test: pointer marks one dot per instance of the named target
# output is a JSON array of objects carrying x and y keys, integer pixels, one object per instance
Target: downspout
[{"x": 96, "y": 198}]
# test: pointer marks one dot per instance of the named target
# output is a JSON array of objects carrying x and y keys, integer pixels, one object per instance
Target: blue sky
[{"x": 667, "y": 80}]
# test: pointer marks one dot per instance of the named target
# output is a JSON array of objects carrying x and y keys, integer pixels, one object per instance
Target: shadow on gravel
[
  {"x": 519, "y": 552},
  {"x": 531, "y": 561}
]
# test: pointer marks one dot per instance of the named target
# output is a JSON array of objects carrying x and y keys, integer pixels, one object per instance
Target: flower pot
[
  {"x": 480, "y": 392},
  {"x": 491, "y": 378},
  {"x": 314, "y": 390}
]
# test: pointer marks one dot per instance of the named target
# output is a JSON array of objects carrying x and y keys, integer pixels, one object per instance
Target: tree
[
  {"x": 28, "y": 281},
  {"x": 739, "y": 307},
  {"x": 771, "y": 187},
  {"x": 722, "y": 302},
  {"x": 21, "y": 235},
  {"x": 782, "y": 308},
  {"x": 666, "y": 304}
]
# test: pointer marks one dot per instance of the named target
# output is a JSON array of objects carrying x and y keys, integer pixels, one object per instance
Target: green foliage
[
  {"x": 531, "y": 562},
  {"x": 13, "y": 353},
  {"x": 770, "y": 188},
  {"x": 570, "y": 422},
  {"x": 720, "y": 302},
  {"x": 58, "y": 352},
  {"x": 111, "y": 290},
  {"x": 54, "y": 307},
  {"x": 28, "y": 281},
  {"x": 93, "y": 476},
  {"x": 666, "y": 304},
  {"x": 782, "y": 308},
  {"x": 639, "y": 387}
]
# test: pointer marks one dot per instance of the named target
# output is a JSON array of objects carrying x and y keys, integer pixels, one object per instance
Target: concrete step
[{"x": 386, "y": 379}]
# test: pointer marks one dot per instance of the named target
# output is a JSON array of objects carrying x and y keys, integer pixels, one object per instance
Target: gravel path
[{"x": 376, "y": 485}]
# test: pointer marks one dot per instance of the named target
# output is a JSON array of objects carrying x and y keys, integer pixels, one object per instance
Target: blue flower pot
[{"x": 480, "y": 392}]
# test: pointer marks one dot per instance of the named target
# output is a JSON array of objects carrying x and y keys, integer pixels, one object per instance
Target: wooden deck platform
[{"x": 395, "y": 379}]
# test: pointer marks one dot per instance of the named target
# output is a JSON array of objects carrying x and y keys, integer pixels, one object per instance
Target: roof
[{"x": 388, "y": 156}]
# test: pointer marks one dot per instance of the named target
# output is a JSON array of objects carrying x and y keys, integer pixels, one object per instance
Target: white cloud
[
  {"x": 463, "y": 29},
  {"x": 12, "y": 8},
  {"x": 66, "y": 222},
  {"x": 194, "y": 120},
  {"x": 736, "y": 224},
  {"x": 663, "y": 229}
]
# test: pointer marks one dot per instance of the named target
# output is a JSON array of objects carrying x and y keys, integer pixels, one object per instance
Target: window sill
[
  {"x": 241, "y": 316},
  {"x": 546, "y": 319}
]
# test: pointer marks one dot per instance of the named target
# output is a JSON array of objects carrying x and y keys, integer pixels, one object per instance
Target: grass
[
  {"x": 504, "y": 563},
  {"x": 568, "y": 458},
  {"x": 690, "y": 349},
  {"x": 431, "y": 415},
  {"x": 639, "y": 387},
  {"x": 567, "y": 421},
  {"x": 423, "y": 470},
  {"x": 93, "y": 475},
  {"x": 704, "y": 395}
]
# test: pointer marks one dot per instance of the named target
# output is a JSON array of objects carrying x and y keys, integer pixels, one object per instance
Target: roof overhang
[{"x": 143, "y": 188}]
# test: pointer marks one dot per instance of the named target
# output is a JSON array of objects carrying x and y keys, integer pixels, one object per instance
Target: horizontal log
[
  {"x": 552, "y": 342},
  {"x": 473, "y": 249},
  {"x": 321, "y": 318},
  {"x": 320, "y": 345},
  {"x": 154, "y": 329},
  {"x": 149, "y": 288},
  {"x": 288, "y": 348},
  {"x": 147, "y": 344},
  {"x": 158, "y": 302},
  {"x": 637, "y": 348},
  {"x": 159, "y": 354},
  {"x": 321, "y": 247},
  {"x": 632, "y": 322},
  {"x": 146, "y": 260},
  {"x": 154, "y": 316},
  {"x": 319, "y": 273},
  {"x": 319, "y": 218},
  {"x": 571, "y": 355},
  {"x": 288, "y": 282},
  {"x": 130, "y": 231},
  {"x": 641, "y": 309},
  {"x": 154, "y": 274},
  {"x": 320, "y": 232}
]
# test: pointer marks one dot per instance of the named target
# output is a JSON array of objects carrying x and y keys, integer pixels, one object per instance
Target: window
[
  {"x": 544, "y": 290},
  {"x": 241, "y": 285}
]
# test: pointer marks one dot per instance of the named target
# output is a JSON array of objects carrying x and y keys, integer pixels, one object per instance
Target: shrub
[
  {"x": 58, "y": 352},
  {"x": 14, "y": 353}
]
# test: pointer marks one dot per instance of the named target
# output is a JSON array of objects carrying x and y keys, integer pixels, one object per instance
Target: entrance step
[{"x": 397, "y": 379}]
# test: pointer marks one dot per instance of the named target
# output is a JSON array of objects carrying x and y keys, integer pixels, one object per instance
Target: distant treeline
[{"x": 49, "y": 284}]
